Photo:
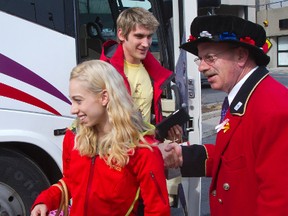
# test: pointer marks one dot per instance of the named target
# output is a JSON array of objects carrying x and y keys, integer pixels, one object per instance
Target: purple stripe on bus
[{"x": 18, "y": 71}]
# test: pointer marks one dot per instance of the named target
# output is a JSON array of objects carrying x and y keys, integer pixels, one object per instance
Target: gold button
[
  {"x": 220, "y": 201},
  {"x": 226, "y": 186},
  {"x": 213, "y": 193}
]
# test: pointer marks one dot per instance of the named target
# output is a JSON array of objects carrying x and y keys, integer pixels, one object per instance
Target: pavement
[{"x": 210, "y": 118}]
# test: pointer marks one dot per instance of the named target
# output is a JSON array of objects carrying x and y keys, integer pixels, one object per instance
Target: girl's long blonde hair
[{"x": 126, "y": 121}]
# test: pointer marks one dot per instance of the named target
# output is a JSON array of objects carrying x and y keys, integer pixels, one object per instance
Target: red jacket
[
  {"x": 96, "y": 189},
  {"x": 112, "y": 52},
  {"x": 249, "y": 162}
]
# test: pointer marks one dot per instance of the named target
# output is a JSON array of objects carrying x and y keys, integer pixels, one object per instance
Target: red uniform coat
[
  {"x": 96, "y": 189},
  {"x": 112, "y": 52},
  {"x": 249, "y": 162}
]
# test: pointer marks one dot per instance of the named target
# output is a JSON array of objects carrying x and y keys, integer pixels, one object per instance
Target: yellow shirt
[{"x": 141, "y": 88}]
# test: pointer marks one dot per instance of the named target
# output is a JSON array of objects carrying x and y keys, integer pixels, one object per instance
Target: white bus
[{"x": 40, "y": 42}]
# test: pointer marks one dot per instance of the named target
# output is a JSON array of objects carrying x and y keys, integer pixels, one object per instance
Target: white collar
[{"x": 236, "y": 88}]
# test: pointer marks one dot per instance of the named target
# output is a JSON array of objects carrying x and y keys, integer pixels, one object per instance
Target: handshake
[
  {"x": 172, "y": 154},
  {"x": 170, "y": 128}
]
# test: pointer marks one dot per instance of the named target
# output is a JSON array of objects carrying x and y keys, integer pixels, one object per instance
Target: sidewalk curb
[{"x": 209, "y": 115}]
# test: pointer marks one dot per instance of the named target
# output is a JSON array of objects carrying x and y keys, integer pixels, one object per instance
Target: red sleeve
[
  {"x": 149, "y": 168},
  {"x": 51, "y": 197},
  {"x": 68, "y": 145},
  {"x": 209, "y": 148},
  {"x": 272, "y": 163}
]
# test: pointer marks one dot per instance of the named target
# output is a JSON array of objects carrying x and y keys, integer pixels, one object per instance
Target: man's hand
[
  {"x": 172, "y": 154},
  {"x": 175, "y": 134}
]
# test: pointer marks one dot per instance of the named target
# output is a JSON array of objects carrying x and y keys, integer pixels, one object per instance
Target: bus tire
[{"x": 21, "y": 180}]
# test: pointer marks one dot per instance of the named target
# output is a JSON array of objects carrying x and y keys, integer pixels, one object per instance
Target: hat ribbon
[
  {"x": 247, "y": 40},
  {"x": 228, "y": 36}
]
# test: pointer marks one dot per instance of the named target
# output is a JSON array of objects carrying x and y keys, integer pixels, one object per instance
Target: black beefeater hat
[{"x": 231, "y": 29}]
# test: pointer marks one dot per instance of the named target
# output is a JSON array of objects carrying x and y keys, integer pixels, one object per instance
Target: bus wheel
[{"x": 21, "y": 180}]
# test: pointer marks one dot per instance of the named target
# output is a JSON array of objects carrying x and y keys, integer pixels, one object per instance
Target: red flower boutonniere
[
  {"x": 247, "y": 40},
  {"x": 191, "y": 38},
  {"x": 265, "y": 47}
]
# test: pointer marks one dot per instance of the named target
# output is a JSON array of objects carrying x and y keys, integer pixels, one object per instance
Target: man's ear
[
  {"x": 104, "y": 97},
  {"x": 243, "y": 55},
  {"x": 120, "y": 35}
]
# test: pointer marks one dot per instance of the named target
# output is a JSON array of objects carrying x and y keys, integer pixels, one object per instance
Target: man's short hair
[{"x": 129, "y": 18}]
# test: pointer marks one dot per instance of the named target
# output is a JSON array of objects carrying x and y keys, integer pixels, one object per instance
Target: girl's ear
[{"x": 104, "y": 97}]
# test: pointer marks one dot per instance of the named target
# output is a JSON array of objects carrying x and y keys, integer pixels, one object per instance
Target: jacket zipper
[
  {"x": 91, "y": 174},
  {"x": 157, "y": 186}
]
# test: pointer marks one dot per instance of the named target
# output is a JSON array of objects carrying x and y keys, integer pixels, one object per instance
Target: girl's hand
[{"x": 39, "y": 210}]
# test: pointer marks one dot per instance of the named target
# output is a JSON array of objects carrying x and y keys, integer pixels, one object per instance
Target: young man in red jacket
[
  {"x": 143, "y": 75},
  {"x": 249, "y": 163}
]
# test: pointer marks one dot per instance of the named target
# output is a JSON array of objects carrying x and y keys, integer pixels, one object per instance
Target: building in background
[{"x": 271, "y": 14}]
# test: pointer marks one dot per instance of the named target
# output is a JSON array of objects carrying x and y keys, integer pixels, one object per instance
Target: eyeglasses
[{"x": 210, "y": 58}]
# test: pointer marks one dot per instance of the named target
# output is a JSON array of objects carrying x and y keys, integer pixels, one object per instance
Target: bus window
[
  {"x": 95, "y": 27},
  {"x": 50, "y": 14}
]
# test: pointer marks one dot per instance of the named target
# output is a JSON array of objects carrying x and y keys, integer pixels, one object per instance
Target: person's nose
[
  {"x": 146, "y": 42},
  {"x": 203, "y": 66},
  {"x": 74, "y": 109}
]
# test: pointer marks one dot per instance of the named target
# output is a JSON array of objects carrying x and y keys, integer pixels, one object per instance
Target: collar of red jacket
[{"x": 156, "y": 71}]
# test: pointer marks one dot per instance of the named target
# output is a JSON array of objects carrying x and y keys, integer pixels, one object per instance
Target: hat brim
[{"x": 260, "y": 57}]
